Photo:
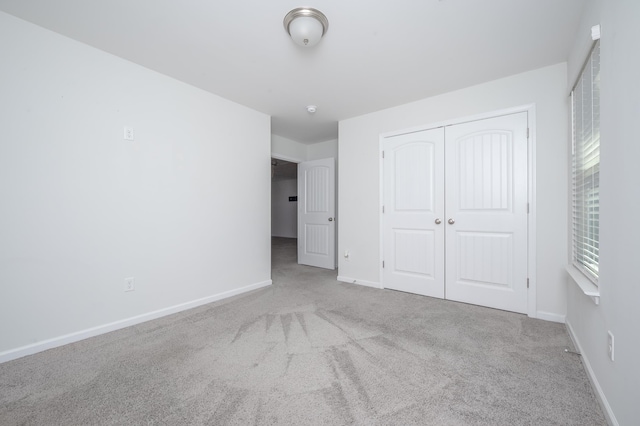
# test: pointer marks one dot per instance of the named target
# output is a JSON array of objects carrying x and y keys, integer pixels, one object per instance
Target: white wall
[
  {"x": 82, "y": 208},
  {"x": 284, "y": 213},
  {"x": 320, "y": 150},
  {"x": 359, "y": 195},
  {"x": 619, "y": 284},
  {"x": 287, "y": 149},
  {"x": 290, "y": 150}
]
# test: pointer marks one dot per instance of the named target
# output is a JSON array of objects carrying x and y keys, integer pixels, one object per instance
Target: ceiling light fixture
[
  {"x": 306, "y": 25},
  {"x": 312, "y": 109}
]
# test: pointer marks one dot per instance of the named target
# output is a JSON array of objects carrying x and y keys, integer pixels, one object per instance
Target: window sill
[{"x": 587, "y": 287}]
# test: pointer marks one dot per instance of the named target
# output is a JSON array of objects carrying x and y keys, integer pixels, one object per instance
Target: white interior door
[
  {"x": 413, "y": 232},
  {"x": 486, "y": 212},
  {"x": 469, "y": 245},
  {"x": 316, "y": 213}
]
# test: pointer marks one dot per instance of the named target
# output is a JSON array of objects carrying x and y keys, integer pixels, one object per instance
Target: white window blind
[{"x": 586, "y": 167}]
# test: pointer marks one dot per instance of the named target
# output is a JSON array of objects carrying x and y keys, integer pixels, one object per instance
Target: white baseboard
[
  {"x": 602, "y": 399},
  {"x": 359, "y": 282},
  {"x": 55, "y": 342},
  {"x": 549, "y": 316}
]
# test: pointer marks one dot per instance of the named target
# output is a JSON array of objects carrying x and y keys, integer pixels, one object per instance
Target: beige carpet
[{"x": 310, "y": 350}]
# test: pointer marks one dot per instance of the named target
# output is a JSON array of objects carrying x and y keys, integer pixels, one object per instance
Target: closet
[{"x": 455, "y": 208}]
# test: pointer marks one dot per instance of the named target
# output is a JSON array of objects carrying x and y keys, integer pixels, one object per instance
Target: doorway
[
  {"x": 303, "y": 207},
  {"x": 284, "y": 199}
]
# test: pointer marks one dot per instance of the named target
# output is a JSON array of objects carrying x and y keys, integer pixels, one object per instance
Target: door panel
[
  {"x": 413, "y": 200},
  {"x": 485, "y": 175},
  {"x": 485, "y": 259},
  {"x": 414, "y": 251},
  {"x": 486, "y": 181},
  {"x": 316, "y": 213}
]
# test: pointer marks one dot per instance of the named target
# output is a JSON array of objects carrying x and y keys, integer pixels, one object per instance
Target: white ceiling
[{"x": 375, "y": 55}]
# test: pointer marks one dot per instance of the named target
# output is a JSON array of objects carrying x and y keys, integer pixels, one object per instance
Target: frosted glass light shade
[
  {"x": 306, "y": 31},
  {"x": 306, "y": 25}
]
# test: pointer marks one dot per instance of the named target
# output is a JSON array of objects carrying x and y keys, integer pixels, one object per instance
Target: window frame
[{"x": 585, "y": 164}]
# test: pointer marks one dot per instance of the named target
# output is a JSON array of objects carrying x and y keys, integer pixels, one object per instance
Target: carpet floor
[{"x": 309, "y": 350}]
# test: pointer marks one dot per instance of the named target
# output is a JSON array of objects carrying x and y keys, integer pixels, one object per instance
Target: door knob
[
  {"x": 438, "y": 221},
  {"x": 330, "y": 219},
  {"x": 451, "y": 221}
]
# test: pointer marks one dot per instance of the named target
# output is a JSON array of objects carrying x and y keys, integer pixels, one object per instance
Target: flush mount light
[
  {"x": 306, "y": 25},
  {"x": 312, "y": 109}
]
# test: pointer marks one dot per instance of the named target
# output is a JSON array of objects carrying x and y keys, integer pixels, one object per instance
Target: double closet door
[{"x": 455, "y": 212}]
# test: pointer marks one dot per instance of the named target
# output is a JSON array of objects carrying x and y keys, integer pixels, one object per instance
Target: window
[{"x": 585, "y": 99}]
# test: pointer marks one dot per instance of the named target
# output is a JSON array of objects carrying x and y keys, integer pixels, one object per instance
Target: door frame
[{"x": 530, "y": 109}]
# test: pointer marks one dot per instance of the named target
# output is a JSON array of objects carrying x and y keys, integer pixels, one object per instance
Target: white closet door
[
  {"x": 413, "y": 202},
  {"x": 486, "y": 202},
  {"x": 316, "y": 213}
]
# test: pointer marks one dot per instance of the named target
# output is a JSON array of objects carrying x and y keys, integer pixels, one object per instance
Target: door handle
[
  {"x": 451, "y": 221},
  {"x": 438, "y": 221},
  {"x": 330, "y": 219}
]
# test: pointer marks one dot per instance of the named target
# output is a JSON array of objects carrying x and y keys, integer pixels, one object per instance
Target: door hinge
[
  {"x": 382, "y": 209},
  {"x": 527, "y": 208},
  {"x": 527, "y": 133},
  {"x": 527, "y": 282},
  {"x": 382, "y": 154},
  {"x": 383, "y": 263}
]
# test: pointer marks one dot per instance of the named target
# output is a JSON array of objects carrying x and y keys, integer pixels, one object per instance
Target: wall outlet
[
  {"x": 129, "y": 284},
  {"x": 611, "y": 347},
  {"x": 128, "y": 133}
]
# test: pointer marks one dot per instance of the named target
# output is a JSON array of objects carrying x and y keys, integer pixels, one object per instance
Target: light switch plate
[
  {"x": 128, "y": 133},
  {"x": 129, "y": 284}
]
